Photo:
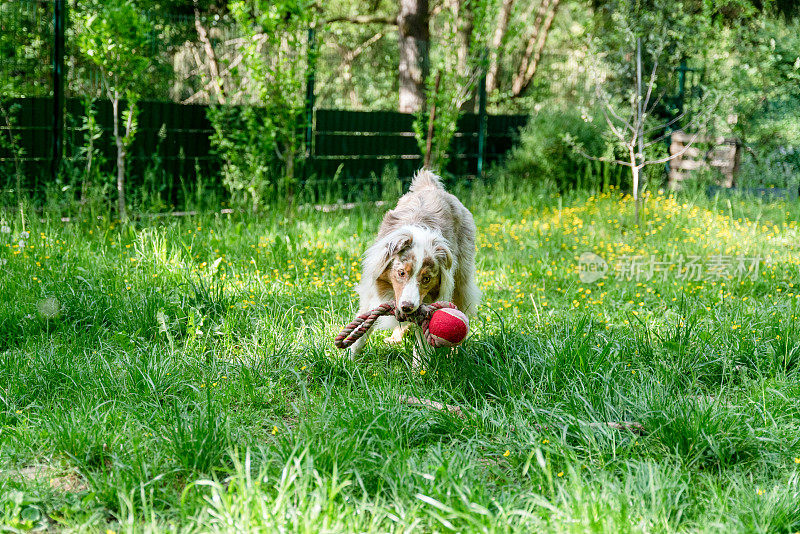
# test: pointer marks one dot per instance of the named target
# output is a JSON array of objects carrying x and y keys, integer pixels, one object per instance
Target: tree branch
[
  {"x": 614, "y": 129},
  {"x": 632, "y": 426},
  {"x": 363, "y": 19},
  {"x": 497, "y": 42},
  {"x": 536, "y": 43},
  {"x": 610, "y": 109},
  {"x": 537, "y": 56},
  {"x": 692, "y": 123},
  {"x": 203, "y": 93},
  {"x": 351, "y": 55},
  {"x": 666, "y": 124},
  {"x": 213, "y": 65},
  {"x": 531, "y": 46},
  {"x": 434, "y": 405},
  {"x": 580, "y": 151},
  {"x": 655, "y": 104},
  {"x": 678, "y": 154}
]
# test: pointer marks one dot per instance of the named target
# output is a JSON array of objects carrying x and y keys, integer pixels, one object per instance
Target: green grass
[{"x": 180, "y": 375}]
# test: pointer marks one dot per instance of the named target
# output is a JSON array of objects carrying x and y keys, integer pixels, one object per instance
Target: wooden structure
[{"x": 721, "y": 153}]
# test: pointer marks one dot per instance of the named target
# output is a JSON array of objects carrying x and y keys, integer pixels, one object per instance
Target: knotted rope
[{"x": 361, "y": 325}]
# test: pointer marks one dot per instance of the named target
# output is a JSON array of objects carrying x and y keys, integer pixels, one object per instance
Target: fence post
[
  {"x": 679, "y": 102},
  {"x": 59, "y": 16},
  {"x": 481, "y": 117},
  {"x": 311, "y": 65}
]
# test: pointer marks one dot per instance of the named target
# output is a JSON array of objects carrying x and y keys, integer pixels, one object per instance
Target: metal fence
[
  {"x": 363, "y": 142},
  {"x": 40, "y": 131},
  {"x": 174, "y": 139}
]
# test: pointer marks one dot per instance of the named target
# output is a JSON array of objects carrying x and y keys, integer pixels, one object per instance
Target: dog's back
[
  {"x": 428, "y": 205},
  {"x": 425, "y": 179}
]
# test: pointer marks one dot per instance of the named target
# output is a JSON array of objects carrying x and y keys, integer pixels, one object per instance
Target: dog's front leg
[
  {"x": 383, "y": 323},
  {"x": 356, "y": 348}
]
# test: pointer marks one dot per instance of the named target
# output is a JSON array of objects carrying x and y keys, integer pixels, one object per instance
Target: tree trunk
[
  {"x": 123, "y": 215},
  {"x": 635, "y": 169},
  {"x": 497, "y": 41},
  {"x": 464, "y": 27},
  {"x": 213, "y": 64},
  {"x": 87, "y": 176},
  {"x": 414, "y": 40},
  {"x": 639, "y": 157}
]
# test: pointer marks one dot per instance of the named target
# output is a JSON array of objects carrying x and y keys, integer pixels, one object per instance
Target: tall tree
[
  {"x": 497, "y": 45},
  {"x": 413, "y": 28},
  {"x": 116, "y": 38},
  {"x": 413, "y": 24}
]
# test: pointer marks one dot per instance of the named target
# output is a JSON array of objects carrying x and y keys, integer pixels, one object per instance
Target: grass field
[{"x": 180, "y": 375}]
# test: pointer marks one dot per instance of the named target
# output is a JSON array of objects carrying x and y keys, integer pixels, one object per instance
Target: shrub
[
  {"x": 775, "y": 168},
  {"x": 543, "y": 157}
]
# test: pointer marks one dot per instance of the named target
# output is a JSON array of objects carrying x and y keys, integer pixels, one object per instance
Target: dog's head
[{"x": 412, "y": 264}]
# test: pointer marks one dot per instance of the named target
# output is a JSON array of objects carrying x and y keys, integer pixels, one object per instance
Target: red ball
[{"x": 448, "y": 327}]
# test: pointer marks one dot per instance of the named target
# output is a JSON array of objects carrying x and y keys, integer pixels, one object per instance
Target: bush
[
  {"x": 242, "y": 138},
  {"x": 544, "y": 158},
  {"x": 775, "y": 168}
]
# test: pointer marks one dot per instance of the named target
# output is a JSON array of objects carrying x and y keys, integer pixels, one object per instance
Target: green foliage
[
  {"x": 156, "y": 179},
  {"x": 262, "y": 148},
  {"x": 10, "y": 146},
  {"x": 25, "y": 42},
  {"x": 456, "y": 87},
  {"x": 445, "y": 123},
  {"x": 242, "y": 139},
  {"x": 459, "y": 69},
  {"x": 178, "y": 374},
  {"x": 116, "y": 37},
  {"x": 777, "y": 168},
  {"x": 544, "y": 154},
  {"x": 765, "y": 79}
]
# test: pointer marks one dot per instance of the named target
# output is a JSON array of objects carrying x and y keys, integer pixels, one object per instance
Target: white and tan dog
[{"x": 424, "y": 252}]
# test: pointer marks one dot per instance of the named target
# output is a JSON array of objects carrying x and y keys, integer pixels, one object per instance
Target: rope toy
[{"x": 443, "y": 325}]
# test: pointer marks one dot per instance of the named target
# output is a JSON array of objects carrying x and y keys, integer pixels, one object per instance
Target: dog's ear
[
  {"x": 380, "y": 254},
  {"x": 397, "y": 242},
  {"x": 442, "y": 254},
  {"x": 444, "y": 257}
]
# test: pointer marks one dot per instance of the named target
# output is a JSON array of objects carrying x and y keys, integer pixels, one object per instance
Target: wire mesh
[{"x": 25, "y": 49}]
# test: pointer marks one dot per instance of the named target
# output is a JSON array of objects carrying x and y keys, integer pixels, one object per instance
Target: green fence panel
[{"x": 361, "y": 143}]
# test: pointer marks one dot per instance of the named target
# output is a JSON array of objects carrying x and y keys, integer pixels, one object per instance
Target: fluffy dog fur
[{"x": 424, "y": 252}]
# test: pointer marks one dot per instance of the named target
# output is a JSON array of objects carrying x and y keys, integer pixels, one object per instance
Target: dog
[{"x": 424, "y": 252}]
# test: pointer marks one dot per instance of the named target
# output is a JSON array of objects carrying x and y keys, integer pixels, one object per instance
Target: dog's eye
[
  {"x": 426, "y": 279},
  {"x": 401, "y": 273}
]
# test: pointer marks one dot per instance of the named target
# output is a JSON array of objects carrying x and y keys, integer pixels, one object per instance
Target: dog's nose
[{"x": 407, "y": 307}]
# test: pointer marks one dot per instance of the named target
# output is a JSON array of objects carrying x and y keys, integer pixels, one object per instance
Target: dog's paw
[
  {"x": 394, "y": 340},
  {"x": 397, "y": 336}
]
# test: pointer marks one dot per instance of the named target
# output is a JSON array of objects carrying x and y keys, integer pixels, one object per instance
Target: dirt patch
[{"x": 60, "y": 479}]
